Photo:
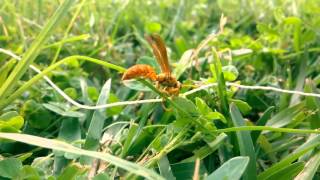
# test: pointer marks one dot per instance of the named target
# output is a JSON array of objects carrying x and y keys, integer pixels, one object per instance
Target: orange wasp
[{"x": 164, "y": 81}]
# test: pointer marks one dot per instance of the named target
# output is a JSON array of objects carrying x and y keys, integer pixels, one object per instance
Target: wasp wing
[{"x": 160, "y": 52}]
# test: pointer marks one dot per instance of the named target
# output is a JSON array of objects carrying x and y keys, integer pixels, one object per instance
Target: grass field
[{"x": 248, "y": 107}]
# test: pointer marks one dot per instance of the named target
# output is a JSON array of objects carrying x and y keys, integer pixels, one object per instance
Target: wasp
[{"x": 165, "y": 82}]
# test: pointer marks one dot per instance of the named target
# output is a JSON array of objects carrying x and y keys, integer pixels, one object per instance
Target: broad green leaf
[
  {"x": 292, "y": 20},
  {"x": 186, "y": 105},
  {"x": 14, "y": 124},
  {"x": 70, "y": 131},
  {"x": 153, "y": 27},
  {"x": 245, "y": 143},
  {"x": 216, "y": 115},
  {"x": 36, "y": 115},
  {"x": 71, "y": 172},
  {"x": 72, "y": 92},
  {"x": 230, "y": 72},
  {"x": 29, "y": 172},
  {"x": 207, "y": 112},
  {"x": 230, "y": 170},
  {"x": 243, "y": 106},
  {"x": 113, "y": 110},
  {"x": 10, "y": 167},
  {"x": 202, "y": 106},
  {"x": 92, "y": 93},
  {"x": 8, "y": 115},
  {"x": 135, "y": 85}
]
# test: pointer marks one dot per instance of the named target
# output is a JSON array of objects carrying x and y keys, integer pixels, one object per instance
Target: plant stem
[{"x": 268, "y": 128}]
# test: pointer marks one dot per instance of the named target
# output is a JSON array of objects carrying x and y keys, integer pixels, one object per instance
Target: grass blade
[
  {"x": 261, "y": 122},
  {"x": 232, "y": 169},
  {"x": 206, "y": 150},
  {"x": 313, "y": 104},
  {"x": 310, "y": 169},
  {"x": 34, "y": 49},
  {"x": 97, "y": 122},
  {"x": 285, "y": 116},
  {"x": 288, "y": 172},
  {"x": 285, "y": 162},
  {"x": 165, "y": 168},
  {"x": 245, "y": 143},
  {"x": 65, "y": 147}
]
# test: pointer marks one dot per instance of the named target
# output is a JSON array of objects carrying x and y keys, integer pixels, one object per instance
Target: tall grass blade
[
  {"x": 97, "y": 122},
  {"x": 34, "y": 49},
  {"x": 245, "y": 143}
]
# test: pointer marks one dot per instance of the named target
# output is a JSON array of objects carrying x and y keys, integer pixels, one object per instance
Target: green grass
[{"x": 221, "y": 132}]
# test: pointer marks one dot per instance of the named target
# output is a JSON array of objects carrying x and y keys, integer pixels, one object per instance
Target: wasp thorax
[{"x": 167, "y": 80}]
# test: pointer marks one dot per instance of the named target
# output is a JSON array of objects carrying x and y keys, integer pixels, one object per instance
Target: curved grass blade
[{"x": 65, "y": 147}]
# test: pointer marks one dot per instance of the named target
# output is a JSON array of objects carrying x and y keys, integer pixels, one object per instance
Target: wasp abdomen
[{"x": 140, "y": 70}]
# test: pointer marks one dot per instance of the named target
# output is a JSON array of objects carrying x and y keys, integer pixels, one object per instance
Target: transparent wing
[{"x": 160, "y": 52}]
